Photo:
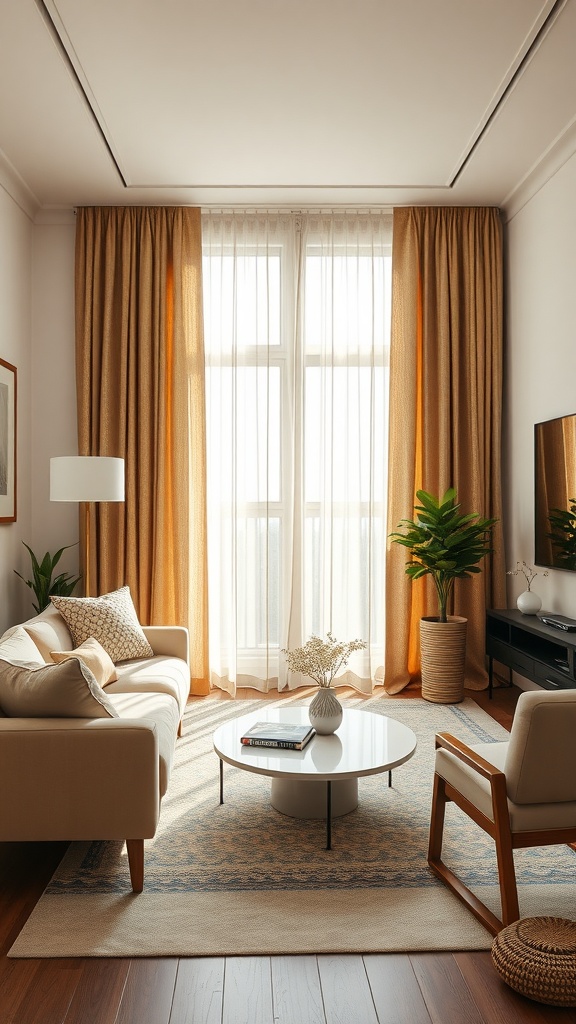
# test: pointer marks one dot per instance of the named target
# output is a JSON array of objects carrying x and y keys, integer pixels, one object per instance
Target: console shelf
[{"x": 545, "y": 655}]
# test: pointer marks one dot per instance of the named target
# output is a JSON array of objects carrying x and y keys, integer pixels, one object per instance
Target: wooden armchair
[{"x": 521, "y": 792}]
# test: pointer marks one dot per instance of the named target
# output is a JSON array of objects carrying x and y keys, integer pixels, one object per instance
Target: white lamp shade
[{"x": 86, "y": 478}]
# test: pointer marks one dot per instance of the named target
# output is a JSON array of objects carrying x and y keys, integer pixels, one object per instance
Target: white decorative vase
[
  {"x": 529, "y": 603},
  {"x": 325, "y": 712}
]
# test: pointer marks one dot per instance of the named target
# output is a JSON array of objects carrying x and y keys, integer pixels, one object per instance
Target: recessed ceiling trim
[
  {"x": 51, "y": 17},
  {"x": 533, "y": 42}
]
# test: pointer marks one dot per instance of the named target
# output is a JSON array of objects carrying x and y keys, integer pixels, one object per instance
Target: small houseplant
[
  {"x": 322, "y": 660},
  {"x": 447, "y": 545},
  {"x": 43, "y": 581}
]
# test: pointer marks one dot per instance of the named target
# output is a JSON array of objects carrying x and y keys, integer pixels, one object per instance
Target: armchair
[{"x": 521, "y": 792}]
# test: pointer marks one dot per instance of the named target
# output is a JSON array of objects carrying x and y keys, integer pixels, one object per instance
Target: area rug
[{"x": 242, "y": 879}]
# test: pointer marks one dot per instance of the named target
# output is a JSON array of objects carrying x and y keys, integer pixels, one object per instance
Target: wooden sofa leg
[
  {"x": 135, "y": 849},
  {"x": 180, "y": 728}
]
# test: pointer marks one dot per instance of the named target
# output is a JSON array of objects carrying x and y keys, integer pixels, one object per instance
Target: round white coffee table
[{"x": 321, "y": 780}]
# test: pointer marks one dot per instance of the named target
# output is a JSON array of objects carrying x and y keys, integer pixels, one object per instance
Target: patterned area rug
[{"x": 243, "y": 879}]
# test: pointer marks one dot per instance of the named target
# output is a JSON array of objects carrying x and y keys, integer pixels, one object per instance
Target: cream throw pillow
[
  {"x": 110, "y": 619},
  {"x": 94, "y": 657},
  {"x": 68, "y": 690}
]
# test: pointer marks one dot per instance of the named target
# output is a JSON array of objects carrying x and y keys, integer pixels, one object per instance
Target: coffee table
[{"x": 321, "y": 780}]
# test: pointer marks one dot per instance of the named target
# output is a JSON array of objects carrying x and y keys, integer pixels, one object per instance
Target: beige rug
[{"x": 242, "y": 879}]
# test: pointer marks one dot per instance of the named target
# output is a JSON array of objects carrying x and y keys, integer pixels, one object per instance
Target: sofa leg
[
  {"x": 135, "y": 849},
  {"x": 180, "y": 728}
]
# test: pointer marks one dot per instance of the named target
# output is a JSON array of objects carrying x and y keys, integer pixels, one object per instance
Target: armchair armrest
[
  {"x": 465, "y": 753},
  {"x": 173, "y": 641}
]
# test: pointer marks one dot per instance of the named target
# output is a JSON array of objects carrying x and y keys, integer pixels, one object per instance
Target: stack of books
[{"x": 278, "y": 734}]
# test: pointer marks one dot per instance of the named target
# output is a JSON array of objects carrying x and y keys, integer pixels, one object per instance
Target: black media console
[{"x": 525, "y": 645}]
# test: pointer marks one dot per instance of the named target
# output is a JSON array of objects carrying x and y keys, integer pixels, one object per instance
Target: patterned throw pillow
[
  {"x": 110, "y": 619},
  {"x": 68, "y": 690},
  {"x": 94, "y": 657}
]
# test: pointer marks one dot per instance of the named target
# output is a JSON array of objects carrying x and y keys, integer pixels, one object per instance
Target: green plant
[
  {"x": 443, "y": 543},
  {"x": 42, "y": 583}
]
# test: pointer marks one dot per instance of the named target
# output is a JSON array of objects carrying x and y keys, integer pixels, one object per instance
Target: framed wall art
[{"x": 7, "y": 442}]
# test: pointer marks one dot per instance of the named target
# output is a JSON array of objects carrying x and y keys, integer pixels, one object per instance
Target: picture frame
[{"x": 8, "y": 419}]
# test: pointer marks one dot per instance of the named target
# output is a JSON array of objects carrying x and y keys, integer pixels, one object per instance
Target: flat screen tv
[{"x": 555, "y": 493}]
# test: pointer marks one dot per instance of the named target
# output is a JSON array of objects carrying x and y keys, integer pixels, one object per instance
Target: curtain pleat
[
  {"x": 140, "y": 394},
  {"x": 445, "y": 411}
]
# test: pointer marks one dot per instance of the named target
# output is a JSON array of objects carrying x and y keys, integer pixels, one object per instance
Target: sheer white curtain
[{"x": 297, "y": 337}]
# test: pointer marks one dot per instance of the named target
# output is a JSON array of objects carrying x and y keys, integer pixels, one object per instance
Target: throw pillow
[
  {"x": 49, "y": 632},
  {"x": 110, "y": 619},
  {"x": 94, "y": 657},
  {"x": 67, "y": 690},
  {"x": 16, "y": 645}
]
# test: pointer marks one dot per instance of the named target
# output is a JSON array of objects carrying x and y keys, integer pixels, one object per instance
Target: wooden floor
[{"x": 415, "y": 988}]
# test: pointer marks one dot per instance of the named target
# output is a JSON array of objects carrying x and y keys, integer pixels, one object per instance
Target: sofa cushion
[
  {"x": 67, "y": 690},
  {"x": 17, "y": 645},
  {"x": 94, "y": 657},
  {"x": 110, "y": 619},
  {"x": 160, "y": 674},
  {"x": 160, "y": 709},
  {"x": 49, "y": 632}
]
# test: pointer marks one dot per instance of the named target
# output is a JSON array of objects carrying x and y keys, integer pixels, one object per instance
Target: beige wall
[
  {"x": 540, "y": 362},
  {"x": 54, "y": 524},
  {"x": 15, "y": 347}
]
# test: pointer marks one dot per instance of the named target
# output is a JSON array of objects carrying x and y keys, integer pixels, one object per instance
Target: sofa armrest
[
  {"x": 78, "y": 778},
  {"x": 173, "y": 641}
]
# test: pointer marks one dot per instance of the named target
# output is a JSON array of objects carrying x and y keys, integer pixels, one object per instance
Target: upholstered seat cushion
[
  {"x": 160, "y": 674},
  {"x": 476, "y": 789}
]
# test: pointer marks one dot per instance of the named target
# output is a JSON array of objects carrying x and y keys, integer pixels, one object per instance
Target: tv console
[{"x": 526, "y": 645}]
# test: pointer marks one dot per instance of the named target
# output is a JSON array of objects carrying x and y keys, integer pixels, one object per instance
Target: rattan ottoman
[{"x": 536, "y": 956}]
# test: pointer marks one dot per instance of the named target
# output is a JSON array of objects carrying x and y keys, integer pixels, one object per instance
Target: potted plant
[
  {"x": 42, "y": 582},
  {"x": 321, "y": 660},
  {"x": 446, "y": 545}
]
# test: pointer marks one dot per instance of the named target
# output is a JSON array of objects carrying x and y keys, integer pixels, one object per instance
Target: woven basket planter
[
  {"x": 443, "y": 657},
  {"x": 537, "y": 957}
]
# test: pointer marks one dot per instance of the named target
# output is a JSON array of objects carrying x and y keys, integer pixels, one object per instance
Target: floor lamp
[{"x": 86, "y": 478}]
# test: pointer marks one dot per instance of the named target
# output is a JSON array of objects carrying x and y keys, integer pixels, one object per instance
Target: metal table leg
[
  {"x": 221, "y": 781},
  {"x": 390, "y": 779},
  {"x": 328, "y": 815}
]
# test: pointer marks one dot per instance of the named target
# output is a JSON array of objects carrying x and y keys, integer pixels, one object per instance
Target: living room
[{"x": 507, "y": 128}]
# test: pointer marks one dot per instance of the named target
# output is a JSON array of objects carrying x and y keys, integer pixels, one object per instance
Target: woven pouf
[{"x": 536, "y": 956}]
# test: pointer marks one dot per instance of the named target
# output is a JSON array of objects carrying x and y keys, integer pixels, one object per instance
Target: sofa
[{"x": 80, "y": 760}]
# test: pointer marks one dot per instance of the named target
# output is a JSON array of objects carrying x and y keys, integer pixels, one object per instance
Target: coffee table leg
[
  {"x": 389, "y": 779},
  {"x": 328, "y": 815},
  {"x": 221, "y": 781}
]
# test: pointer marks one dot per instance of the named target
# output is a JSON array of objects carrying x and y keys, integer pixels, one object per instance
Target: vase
[
  {"x": 529, "y": 603},
  {"x": 325, "y": 712},
  {"x": 443, "y": 658}
]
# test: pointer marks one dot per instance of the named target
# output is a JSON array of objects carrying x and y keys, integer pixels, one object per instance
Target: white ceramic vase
[
  {"x": 529, "y": 603},
  {"x": 325, "y": 712}
]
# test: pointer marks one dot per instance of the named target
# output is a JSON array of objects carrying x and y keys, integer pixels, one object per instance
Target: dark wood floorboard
[{"x": 417, "y": 988}]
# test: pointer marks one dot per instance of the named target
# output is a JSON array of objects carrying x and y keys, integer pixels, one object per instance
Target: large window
[{"x": 296, "y": 326}]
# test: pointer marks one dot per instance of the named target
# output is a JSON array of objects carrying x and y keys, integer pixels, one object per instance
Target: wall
[
  {"x": 54, "y": 524},
  {"x": 540, "y": 371},
  {"x": 15, "y": 347}
]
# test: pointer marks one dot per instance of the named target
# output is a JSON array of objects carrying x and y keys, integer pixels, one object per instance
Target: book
[{"x": 278, "y": 734}]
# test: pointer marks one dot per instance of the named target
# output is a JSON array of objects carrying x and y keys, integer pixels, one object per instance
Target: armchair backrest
[{"x": 541, "y": 759}]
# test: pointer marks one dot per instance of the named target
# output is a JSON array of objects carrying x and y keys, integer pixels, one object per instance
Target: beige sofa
[{"x": 74, "y": 778}]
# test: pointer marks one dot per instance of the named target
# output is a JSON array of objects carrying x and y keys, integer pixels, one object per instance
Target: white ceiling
[{"x": 283, "y": 102}]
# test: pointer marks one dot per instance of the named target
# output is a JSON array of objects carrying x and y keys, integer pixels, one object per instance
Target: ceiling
[{"x": 283, "y": 102}]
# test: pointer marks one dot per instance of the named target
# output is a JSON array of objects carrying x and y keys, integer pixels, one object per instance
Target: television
[{"x": 555, "y": 493}]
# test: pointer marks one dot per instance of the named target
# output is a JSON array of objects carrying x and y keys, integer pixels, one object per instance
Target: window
[{"x": 296, "y": 329}]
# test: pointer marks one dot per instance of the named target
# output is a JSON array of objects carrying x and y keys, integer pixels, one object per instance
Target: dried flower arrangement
[{"x": 322, "y": 659}]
